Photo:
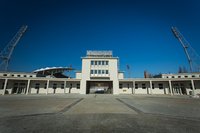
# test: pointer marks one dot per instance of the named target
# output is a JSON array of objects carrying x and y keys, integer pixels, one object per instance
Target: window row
[
  {"x": 12, "y": 75},
  {"x": 98, "y": 71},
  {"x": 186, "y": 76},
  {"x": 99, "y": 62},
  {"x": 160, "y": 86},
  {"x": 37, "y": 86}
]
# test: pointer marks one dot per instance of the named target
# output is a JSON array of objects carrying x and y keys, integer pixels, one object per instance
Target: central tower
[{"x": 99, "y": 73}]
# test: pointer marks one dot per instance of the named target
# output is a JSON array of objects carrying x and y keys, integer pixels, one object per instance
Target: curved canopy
[{"x": 53, "y": 71}]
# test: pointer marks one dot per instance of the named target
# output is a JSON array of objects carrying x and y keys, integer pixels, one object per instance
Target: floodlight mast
[
  {"x": 184, "y": 44},
  {"x": 6, "y": 53}
]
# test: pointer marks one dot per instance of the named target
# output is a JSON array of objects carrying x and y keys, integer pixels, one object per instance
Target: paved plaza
[{"x": 99, "y": 113}]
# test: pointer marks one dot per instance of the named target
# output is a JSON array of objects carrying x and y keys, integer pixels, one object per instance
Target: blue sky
[{"x": 137, "y": 31}]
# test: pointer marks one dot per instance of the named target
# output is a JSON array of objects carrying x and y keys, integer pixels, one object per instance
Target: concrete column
[
  {"x": 5, "y": 86},
  {"x": 170, "y": 87},
  {"x": 70, "y": 87},
  {"x": 193, "y": 87},
  {"x": 65, "y": 87},
  {"x": 150, "y": 87},
  {"x": 28, "y": 85},
  {"x": 133, "y": 89},
  {"x": 47, "y": 87}
]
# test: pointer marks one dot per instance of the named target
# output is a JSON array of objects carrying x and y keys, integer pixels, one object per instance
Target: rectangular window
[
  {"x": 186, "y": 76},
  {"x": 18, "y": 75},
  {"x": 193, "y": 76},
  {"x": 37, "y": 86},
  {"x": 99, "y": 71},
  {"x": 128, "y": 86},
  {"x": 92, "y": 62},
  {"x": 95, "y": 71},
  {"x": 106, "y": 62},
  {"x": 106, "y": 71},
  {"x": 143, "y": 86},
  {"x": 120, "y": 86},
  {"x": 71, "y": 85},
  {"x": 54, "y": 86},
  {"x": 2, "y": 85},
  {"x": 91, "y": 71},
  {"x": 99, "y": 62},
  {"x": 78, "y": 86},
  {"x": 95, "y": 62},
  {"x": 103, "y": 62},
  {"x": 190, "y": 86},
  {"x": 24, "y": 75},
  {"x": 4, "y": 74},
  {"x": 152, "y": 86},
  {"x": 62, "y": 86},
  {"x": 45, "y": 85},
  {"x": 160, "y": 86},
  {"x": 136, "y": 86},
  {"x": 103, "y": 71},
  {"x": 22, "y": 84}
]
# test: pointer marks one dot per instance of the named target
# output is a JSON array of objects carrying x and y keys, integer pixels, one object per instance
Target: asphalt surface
[{"x": 99, "y": 113}]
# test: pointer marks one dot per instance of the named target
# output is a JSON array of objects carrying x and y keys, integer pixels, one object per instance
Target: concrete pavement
[{"x": 100, "y": 113}]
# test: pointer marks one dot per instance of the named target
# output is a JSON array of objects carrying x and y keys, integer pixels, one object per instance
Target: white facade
[
  {"x": 100, "y": 73},
  {"x": 104, "y": 72}
]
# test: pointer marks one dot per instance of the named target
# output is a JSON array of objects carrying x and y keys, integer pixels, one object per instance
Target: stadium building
[{"x": 100, "y": 74}]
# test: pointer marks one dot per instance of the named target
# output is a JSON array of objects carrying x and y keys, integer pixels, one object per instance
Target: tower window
[
  {"x": 92, "y": 71},
  {"x": 95, "y": 71},
  {"x": 106, "y": 71},
  {"x": 92, "y": 62},
  {"x": 99, "y": 71}
]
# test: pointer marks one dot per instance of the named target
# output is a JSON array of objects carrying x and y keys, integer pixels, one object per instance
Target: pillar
[
  {"x": 193, "y": 87},
  {"x": 5, "y": 86},
  {"x": 64, "y": 87},
  {"x": 28, "y": 85},
  {"x": 150, "y": 87},
  {"x": 47, "y": 86},
  {"x": 133, "y": 89},
  {"x": 170, "y": 87}
]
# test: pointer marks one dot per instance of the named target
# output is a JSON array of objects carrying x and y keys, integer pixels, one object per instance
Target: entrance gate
[{"x": 99, "y": 87}]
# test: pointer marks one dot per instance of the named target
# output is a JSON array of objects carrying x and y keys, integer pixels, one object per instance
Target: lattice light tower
[
  {"x": 6, "y": 53},
  {"x": 192, "y": 56}
]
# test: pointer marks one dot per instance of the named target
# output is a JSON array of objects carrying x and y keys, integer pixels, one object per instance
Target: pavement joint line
[
  {"x": 131, "y": 107},
  {"x": 29, "y": 115},
  {"x": 54, "y": 113},
  {"x": 174, "y": 117},
  {"x": 154, "y": 114},
  {"x": 70, "y": 106}
]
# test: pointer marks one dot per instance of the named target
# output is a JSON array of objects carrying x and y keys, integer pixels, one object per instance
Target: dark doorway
[{"x": 99, "y": 87}]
